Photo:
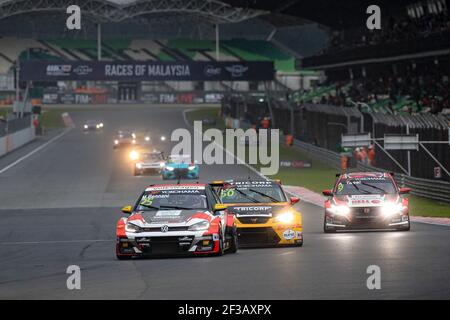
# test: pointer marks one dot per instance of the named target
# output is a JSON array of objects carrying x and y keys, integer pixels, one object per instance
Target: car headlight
[
  {"x": 133, "y": 135},
  {"x": 391, "y": 208},
  {"x": 162, "y": 164},
  {"x": 134, "y": 155},
  {"x": 285, "y": 217},
  {"x": 101, "y": 125},
  {"x": 147, "y": 138},
  {"x": 170, "y": 168},
  {"x": 204, "y": 225},
  {"x": 116, "y": 141},
  {"x": 134, "y": 141},
  {"x": 98, "y": 126},
  {"x": 163, "y": 138},
  {"x": 130, "y": 227},
  {"x": 339, "y": 210},
  {"x": 191, "y": 168},
  {"x": 85, "y": 126},
  {"x": 139, "y": 165}
]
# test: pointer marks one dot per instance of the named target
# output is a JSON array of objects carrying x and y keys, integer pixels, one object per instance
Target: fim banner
[
  {"x": 296, "y": 164},
  {"x": 146, "y": 71}
]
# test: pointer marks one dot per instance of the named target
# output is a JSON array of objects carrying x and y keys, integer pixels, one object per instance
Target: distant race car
[
  {"x": 362, "y": 201},
  {"x": 92, "y": 125},
  {"x": 265, "y": 215},
  {"x": 145, "y": 137},
  {"x": 124, "y": 138},
  {"x": 176, "y": 219},
  {"x": 149, "y": 162},
  {"x": 180, "y": 167}
]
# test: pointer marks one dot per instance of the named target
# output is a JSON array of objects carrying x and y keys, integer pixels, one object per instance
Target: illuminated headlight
[
  {"x": 134, "y": 141},
  {"x": 191, "y": 168},
  {"x": 147, "y": 138},
  {"x": 98, "y": 126},
  {"x": 170, "y": 168},
  {"x": 389, "y": 209},
  {"x": 101, "y": 125},
  {"x": 85, "y": 126},
  {"x": 133, "y": 135},
  {"x": 129, "y": 227},
  {"x": 134, "y": 155},
  {"x": 139, "y": 165},
  {"x": 339, "y": 210},
  {"x": 204, "y": 225},
  {"x": 163, "y": 138},
  {"x": 162, "y": 164},
  {"x": 116, "y": 142},
  {"x": 285, "y": 217}
]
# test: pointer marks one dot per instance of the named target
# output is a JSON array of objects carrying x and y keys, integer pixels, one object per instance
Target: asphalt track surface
[{"x": 59, "y": 207}]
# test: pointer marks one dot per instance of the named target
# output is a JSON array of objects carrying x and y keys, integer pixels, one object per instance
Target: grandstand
[{"x": 148, "y": 31}]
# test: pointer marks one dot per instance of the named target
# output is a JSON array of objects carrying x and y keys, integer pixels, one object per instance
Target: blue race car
[{"x": 180, "y": 167}]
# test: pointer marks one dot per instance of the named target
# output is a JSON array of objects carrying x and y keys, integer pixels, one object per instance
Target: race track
[{"x": 59, "y": 208}]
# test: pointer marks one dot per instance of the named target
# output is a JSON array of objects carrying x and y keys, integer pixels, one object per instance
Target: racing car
[
  {"x": 123, "y": 138},
  {"x": 92, "y": 125},
  {"x": 185, "y": 219},
  {"x": 363, "y": 201},
  {"x": 265, "y": 215},
  {"x": 180, "y": 167},
  {"x": 149, "y": 162}
]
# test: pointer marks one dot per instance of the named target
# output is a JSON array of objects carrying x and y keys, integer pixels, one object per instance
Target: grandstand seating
[{"x": 128, "y": 49}]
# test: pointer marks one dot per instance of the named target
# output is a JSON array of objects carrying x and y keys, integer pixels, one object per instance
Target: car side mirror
[
  {"x": 405, "y": 190},
  {"x": 327, "y": 193},
  {"x": 219, "y": 207},
  {"x": 294, "y": 200},
  {"x": 127, "y": 209}
]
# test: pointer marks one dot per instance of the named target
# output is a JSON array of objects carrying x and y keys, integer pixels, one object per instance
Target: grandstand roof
[
  {"x": 334, "y": 14},
  {"x": 118, "y": 10}
]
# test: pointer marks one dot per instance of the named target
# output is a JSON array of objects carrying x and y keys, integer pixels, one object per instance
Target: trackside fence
[{"x": 317, "y": 130}]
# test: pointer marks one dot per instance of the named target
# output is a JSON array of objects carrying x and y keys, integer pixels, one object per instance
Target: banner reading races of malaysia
[{"x": 146, "y": 71}]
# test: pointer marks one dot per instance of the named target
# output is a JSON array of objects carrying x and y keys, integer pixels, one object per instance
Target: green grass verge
[
  {"x": 321, "y": 176},
  {"x": 4, "y": 111},
  {"x": 50, "y": 118}
]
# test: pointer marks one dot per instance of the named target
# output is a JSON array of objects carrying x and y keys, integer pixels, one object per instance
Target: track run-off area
[{"x": 59, "y": 206}]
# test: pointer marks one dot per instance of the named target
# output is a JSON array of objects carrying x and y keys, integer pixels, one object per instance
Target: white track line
[
  {"x": 35, "y": 151},
  {"x": 240, "y": 161},
  {"x": 266, "y": 178}
]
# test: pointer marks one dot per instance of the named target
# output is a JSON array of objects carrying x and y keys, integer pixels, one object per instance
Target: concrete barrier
[{"x": 16, "y": 140}]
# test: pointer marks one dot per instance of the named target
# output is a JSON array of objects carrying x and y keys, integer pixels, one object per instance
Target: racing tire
[
  {"x": 408, "y": 228},
  {"x": 120, "y": 257},
  {"x": 299, "y": 244},
  {"x": 221, "y": 245},
  {"x": 234, "y": 244},
  {"x": 325, "y": 228}
]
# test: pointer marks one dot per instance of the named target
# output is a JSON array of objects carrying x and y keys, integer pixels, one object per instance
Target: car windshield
[
  {"x": 365, "y": 186},
  {"x": 125, "y": 135},
  {"x": 252, "y": 194},
  {"x": 182, "y": 199},
  {"x": 177, "y": 159},
  {"x": 151, "y": 157}
]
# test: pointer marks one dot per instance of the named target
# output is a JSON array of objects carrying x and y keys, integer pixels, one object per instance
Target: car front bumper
[
  {"x": 143, "y": 245},
  {"x": 371, "y": 221},
  {"x": 269, "y": 234},
  {"x": 180, "y": 173}
]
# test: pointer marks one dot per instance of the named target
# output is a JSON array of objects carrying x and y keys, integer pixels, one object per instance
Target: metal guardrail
[{"x": 431, "y": 189}]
